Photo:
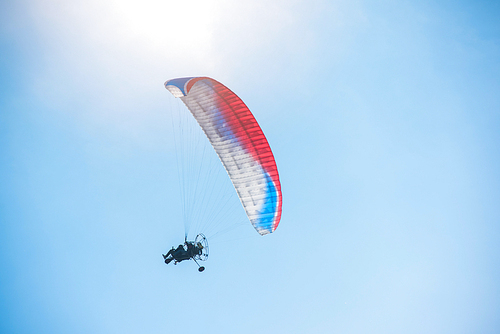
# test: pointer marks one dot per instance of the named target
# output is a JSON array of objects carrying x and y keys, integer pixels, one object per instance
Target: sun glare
[{"x": 180, "y": 26}]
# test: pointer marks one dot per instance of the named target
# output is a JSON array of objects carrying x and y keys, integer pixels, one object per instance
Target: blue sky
[{"x": 384, "y": 121}]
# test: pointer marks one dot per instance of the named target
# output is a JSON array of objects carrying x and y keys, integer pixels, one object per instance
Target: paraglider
[
  {"x": 190, "y": 250},
  {"x": 240, "y": 145}
]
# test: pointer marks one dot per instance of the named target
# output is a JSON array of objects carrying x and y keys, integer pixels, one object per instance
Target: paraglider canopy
[{"x": 240, "y": 144}]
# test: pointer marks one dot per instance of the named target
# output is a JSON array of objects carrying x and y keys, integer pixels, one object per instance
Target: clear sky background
[{"x": 384, "y": 120}]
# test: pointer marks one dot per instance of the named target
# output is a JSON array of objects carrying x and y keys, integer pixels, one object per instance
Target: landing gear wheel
[
  {"x": 200, "y": 269},
  {"x": 200, "y": 240}
]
